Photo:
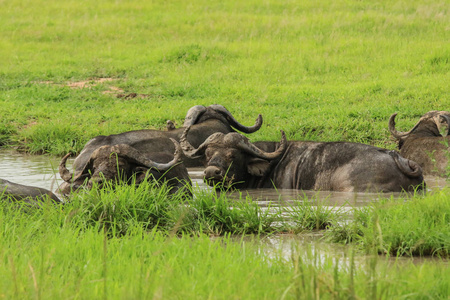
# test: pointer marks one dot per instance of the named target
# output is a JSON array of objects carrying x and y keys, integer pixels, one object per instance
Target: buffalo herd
[{"x": 210, "y": 138}]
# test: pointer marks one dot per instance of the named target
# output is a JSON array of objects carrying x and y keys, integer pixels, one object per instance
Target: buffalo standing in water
[
  {"x": 123, "y": 162},
  {"x": 335, "y": 166},
  {"x": 204, "y": 121},
  {"x": 427, "y": 143}
]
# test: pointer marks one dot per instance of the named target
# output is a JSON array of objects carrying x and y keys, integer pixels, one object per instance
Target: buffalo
[
  {"x": 232, "y": 160},
  {"x": 204, "y": 121},
  {"x": 124, "y": 163},
  {"x": 427, "y": 143},
  {"x": 20, "y": 192}
]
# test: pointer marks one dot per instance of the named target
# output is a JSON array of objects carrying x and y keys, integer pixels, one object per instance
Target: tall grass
[
  {"x": 313, "y": 214},
  {"x": 46, "y": 255},
  {"x": 128, "y": 242},
  {"x": 116, "y": 208},
  {"x": 416, "y": 226}
]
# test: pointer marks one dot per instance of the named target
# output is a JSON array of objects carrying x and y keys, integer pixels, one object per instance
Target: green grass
[
  {"x": 116, "y": 208},
  {"x": 318, "y": 70},
  {"x": 419, "y": 226},
  {"x": 60, "y": 252}
]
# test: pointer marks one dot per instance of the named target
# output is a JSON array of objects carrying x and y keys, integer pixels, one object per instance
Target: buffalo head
[
  {"x": 432, "y": 124},
  {"x": 231, "y": 158},
  {"x": 427, "y": 143},
  {"x": 115, "y": 163},
  {"x": 199, "y": 114}
]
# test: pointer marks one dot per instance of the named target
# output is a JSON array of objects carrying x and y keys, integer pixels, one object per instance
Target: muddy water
[
  {"x": 42, "y": 171},
  {"x": 34, "y": 170},
  {"x": 266, "y": 197},
  {"x": 312, "y": 246}
]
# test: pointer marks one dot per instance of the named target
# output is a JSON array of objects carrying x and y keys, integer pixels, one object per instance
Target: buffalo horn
[
  {"x": 233, "y": 122},
  {"x": 247, "y": 146},
  {"x": 407, "y": 166},
  {"x": 63, "y": 171},
  {"x": 398, "y": 134},
  {"x": 193, "y": 114},
  {"x": 131, "y": 154},
  {"x": 192, "y": 152}
]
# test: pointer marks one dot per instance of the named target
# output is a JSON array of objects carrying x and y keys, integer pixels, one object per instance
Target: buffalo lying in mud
[
  {"x": 427, "y": 143},
  {"x": 335, "y": 166},
  {"x": 124, "y": 163},
  {"x": 204, "y": 121},
  {"x": 20, "y": 192}
]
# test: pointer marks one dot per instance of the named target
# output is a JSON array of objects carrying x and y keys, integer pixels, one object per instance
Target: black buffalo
[
  {"x": 204, "y": 121},
  {"x": 20, "y": 192},
  {"x": 126, "y": 164},
  {"x": 427, "y": 143},
  {"x": 335, "y": 166}
]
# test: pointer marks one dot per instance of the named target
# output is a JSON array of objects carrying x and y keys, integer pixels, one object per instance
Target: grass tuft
[{"x": 419, "y": 226}]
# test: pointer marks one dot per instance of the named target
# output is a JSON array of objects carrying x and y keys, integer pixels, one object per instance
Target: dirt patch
[
  {"x": 112, "y": 90},
  {"x": 88, "y": 83},
  {"x": 79, "y": 84}
]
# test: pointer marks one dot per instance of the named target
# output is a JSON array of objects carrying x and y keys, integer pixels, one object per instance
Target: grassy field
[
  {"x": 139, "y": 244},
  {"x": 318, "y": 70},
  {"x": 151, "y": 266}
]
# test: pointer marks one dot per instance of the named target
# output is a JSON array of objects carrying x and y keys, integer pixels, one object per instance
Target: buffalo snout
[{"x": 213, "y": 173}]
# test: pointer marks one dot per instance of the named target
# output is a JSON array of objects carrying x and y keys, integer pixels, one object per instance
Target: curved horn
[
  {"x": 138, "y": 157},
  {"x": 193, "y": 114},
  {"x": 398, "y": 134},
  {"x": 407, "y": 166},
  {"x": 63, "y": 171},
  {"x": 89, "y": 164},
  {"x": 233, "y": 122},
  {"x": 246, "y": 145},
  {"x": 85, "y": 172},
  {"x": 190, "y": 151}
]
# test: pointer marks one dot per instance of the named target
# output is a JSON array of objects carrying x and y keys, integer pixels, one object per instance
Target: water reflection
[
  {"x": 35, "y": 170},
  {"x": 312, "y": 245}
]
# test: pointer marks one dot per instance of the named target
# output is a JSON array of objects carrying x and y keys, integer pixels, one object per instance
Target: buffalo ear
[{"x": 258, "y": 167}]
